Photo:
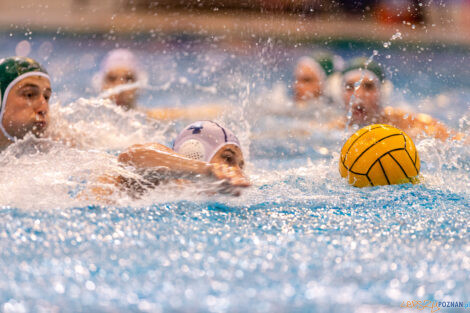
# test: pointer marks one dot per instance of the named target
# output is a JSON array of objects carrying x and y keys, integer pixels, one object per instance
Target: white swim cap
[
  {"x": 119, "y": 58},
  {"x": 313, "y": 65},
  {"x": 201, "y": 140}
]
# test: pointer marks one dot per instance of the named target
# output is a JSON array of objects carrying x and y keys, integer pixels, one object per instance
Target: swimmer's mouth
[
  {"x": 39, "y": 126},
  {"x": 359, "y": 109}
]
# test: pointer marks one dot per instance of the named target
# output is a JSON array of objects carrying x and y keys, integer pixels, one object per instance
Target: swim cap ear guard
[
  {"x": 12, "y": 70},
  {"x": 202, "y": 140}
]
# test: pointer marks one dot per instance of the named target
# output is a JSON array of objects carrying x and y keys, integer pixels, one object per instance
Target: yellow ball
[{"x": 379, "y": 155}]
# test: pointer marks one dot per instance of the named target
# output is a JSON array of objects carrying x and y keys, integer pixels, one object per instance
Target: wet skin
[
  {"x": 307, "y": 83},
  {"x": 27, "y": 107},
  {"x": 230, "y": 155},
  {"x": 365, "y": 105}
]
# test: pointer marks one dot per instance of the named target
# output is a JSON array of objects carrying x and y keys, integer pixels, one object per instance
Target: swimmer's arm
[
  {"x": 194, "y": 113},
  {"x": 101, "y": 190},
  {"x": 433, "y": 127},
  {"x": 155, "y": 156},
  {"x": 419, "y": 123}
]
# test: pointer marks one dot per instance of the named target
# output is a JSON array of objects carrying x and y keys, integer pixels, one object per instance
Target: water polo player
[
  {"x": 25, "y": 90},
  {"x": 362, "y": 95},
  {"x": 120, "y": 77},
  {"x": 312, "y": 74},
  {"x": 203, "y": 148},
  {"x": 120, "y": 67},
  {"x": 310, "y": 79}
]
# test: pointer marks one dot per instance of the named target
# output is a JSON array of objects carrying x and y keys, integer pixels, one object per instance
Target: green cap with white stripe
[{"x": 12, "y": 70}]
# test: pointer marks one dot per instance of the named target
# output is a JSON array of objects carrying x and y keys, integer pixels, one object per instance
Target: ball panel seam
[
  {"x": 399, "y": 165},
  {"x": 414, "y": 164},
  {"x": 383, "y": 170},
  {"x": 349, "y": 148},
  {"x": 368, "y": 148}
]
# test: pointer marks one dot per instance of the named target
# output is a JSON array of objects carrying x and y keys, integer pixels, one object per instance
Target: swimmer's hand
[
  {"x": 155, "y": 157},
  {"x": 232, "y": 178}
]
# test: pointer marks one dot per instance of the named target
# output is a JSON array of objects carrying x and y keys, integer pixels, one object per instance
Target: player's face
[
  {"x": 361, "y": 95},
  {"x": 307, "y": 83},
  {"x": 27, "y": 107},
  {"x": 121, "y": 76},
  {"x": 230, "y": 155}
]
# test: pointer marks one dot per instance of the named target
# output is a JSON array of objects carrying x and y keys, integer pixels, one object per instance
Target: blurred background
[
  {"x": 443, "y": 20},
  {"x": 211, "y": 50}
]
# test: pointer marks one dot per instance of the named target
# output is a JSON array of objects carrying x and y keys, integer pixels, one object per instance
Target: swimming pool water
[{"x": 299, "y": 240}]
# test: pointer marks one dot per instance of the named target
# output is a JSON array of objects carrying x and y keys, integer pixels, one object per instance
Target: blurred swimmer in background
[
  {"x": 363, "y": 87},
  {"x": 313, "y": 76},
  {"x": 314, "y": 100},
  {"x": 25, "y": 90},
  {"x": 120, "y": 78},
  {"x": 202, "y": 149}
]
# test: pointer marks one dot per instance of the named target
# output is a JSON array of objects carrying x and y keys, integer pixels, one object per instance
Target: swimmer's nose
[
  {"x": 43, "y": 106},
  {"x": 41, "y": 113}
]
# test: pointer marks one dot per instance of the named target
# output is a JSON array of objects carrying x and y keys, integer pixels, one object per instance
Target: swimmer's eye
[
  {"x": 111, "y": 78},
  {"x": 306, "y": 80},
  {"x": 349, "y": 86},
  {"x": 47, "y": 97},
  {"x": 369, "y": 86},
  {"x": 129, "y": 78},
  {"x": 229, "y": 159},
  {"x": 30, "y": 94}
]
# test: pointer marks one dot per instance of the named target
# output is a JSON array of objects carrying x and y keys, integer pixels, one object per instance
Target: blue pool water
[{"x": 299, "y": 240}]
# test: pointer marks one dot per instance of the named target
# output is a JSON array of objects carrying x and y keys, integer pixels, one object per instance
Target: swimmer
[
  {"x": 120, "y": 77},
  {"x": 363, "y": 82},
  {"x": 310, "y": 79},
  {"x": 203, "y": 148},
  {"x": 121, "y": 67},
  {"x": 25, "y": 90},
  {"x": 313, "y": 75}
]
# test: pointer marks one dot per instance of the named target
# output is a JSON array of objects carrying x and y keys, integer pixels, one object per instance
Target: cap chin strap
[{"x": 5, "y": 97}]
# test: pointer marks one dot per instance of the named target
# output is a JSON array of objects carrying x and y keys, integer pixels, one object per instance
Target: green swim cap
[
  {"x": 363, "y": 63},
  {"x": 12, "y": 70},
  {"x": 328, "y": 61}
]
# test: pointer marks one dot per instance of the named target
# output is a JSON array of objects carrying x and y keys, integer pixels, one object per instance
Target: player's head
[
  {"x": 311, "y": 73},
  {"x": 309, "y": 81},
  {"x": 210, "y": 142},
  {"x": 362, "y": 82},
  {"x": 120, "y": 67},
  {"x": 25, "y": 90}
]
